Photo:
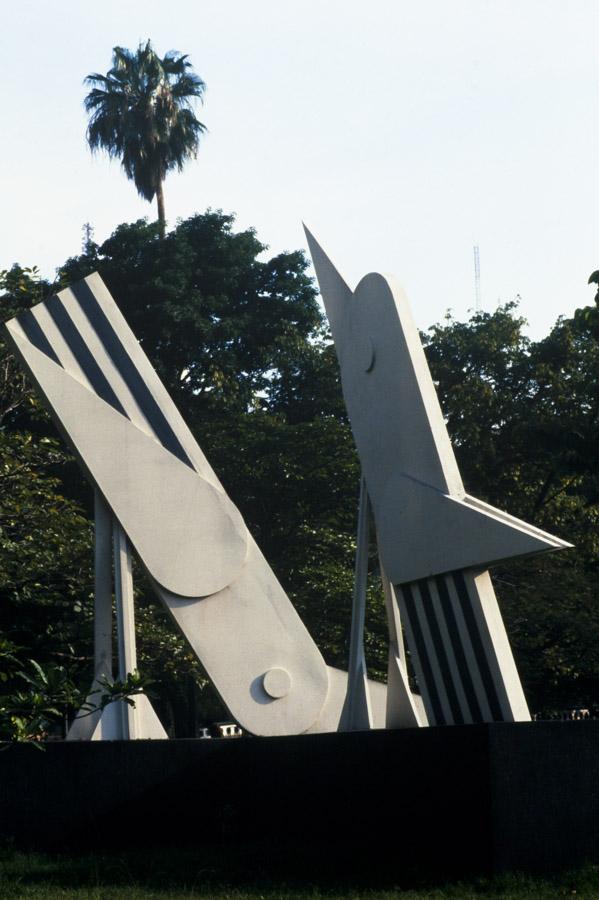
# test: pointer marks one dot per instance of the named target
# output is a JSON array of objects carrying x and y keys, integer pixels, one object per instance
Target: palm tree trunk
[{"x": 160, "y": 203}]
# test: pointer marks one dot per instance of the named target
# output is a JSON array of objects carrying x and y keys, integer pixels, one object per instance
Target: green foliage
[
  {"x": 221, "y": 325},
  {"x": 20, "y": 289},
  {"x": 39, "y": 702},
  {"x": 118, "y": 690},
  {"x": 45, "y": 551},
  {"x": 257, "y": 870}
]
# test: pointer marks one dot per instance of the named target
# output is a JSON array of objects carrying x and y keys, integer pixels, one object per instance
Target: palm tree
[{"x": 141, "y": 111}]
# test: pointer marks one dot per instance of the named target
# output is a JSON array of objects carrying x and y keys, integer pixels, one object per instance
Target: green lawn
[{"x": 175, "y": 874}]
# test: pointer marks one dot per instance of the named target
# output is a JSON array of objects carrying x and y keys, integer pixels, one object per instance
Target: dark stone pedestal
[{"x": 452, "y": 800}]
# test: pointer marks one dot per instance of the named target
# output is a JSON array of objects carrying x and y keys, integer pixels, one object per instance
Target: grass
[{"x": 208, "y": 874}]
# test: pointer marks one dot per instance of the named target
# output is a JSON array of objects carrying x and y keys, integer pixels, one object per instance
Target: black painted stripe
[
  {"x": 129, "y": 372},
  {"x": 422, "y": 654},
  {"x": 478, "y": 646},
  {"x": 82, "y": 353},
  {"x": 433, "y": 627},
  {"x": 458, "y": 649},
  {"x": 35, "y": 335}
]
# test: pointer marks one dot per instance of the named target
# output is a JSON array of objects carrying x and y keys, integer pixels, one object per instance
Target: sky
[{"x": 403, "y": 134}]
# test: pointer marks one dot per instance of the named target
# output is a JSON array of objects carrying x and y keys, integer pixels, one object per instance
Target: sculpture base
[{"x": 454, "y": 800}]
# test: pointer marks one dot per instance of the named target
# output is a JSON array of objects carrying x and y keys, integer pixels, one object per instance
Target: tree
[
  {"x": 141, "y": 112},
  {"x": 220, "y": 323}
]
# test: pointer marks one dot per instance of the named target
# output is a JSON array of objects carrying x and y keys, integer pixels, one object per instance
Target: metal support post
[
  {"x": 123, "y": 580},
  {"x": 403, "y": 708},
  {"x": 102, "y": 589},
  {"x": 357, "y": 714}
]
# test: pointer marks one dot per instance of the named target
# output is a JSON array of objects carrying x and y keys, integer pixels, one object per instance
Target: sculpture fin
[
  {"x": 448, "y": 533},
  {"x": 334, "y": 290}
]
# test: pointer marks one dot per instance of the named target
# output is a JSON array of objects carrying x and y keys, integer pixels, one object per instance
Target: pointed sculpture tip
[
  {"x": 543, "y": 541},
  {"x": 313, "y": 243},
  {"x": 330, "y": 280},
  {"x": 310, "y": 238}
]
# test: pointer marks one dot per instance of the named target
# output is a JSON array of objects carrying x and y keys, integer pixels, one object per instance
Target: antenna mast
[{"x": 477, "y": 278}]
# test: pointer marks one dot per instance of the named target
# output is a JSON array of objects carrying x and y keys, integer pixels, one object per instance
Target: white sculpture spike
[{"x": 434, "y": 540}]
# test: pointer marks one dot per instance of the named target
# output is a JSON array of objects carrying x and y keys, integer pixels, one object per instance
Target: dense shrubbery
[{"x": 242, "y": 346}]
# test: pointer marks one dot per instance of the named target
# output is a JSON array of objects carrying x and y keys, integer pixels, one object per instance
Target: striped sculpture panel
[
  {"x": 74, "y": 330},
  {"x": 459, "y": 650}
]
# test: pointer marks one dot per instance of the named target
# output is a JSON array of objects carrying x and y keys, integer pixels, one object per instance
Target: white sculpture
[
  {"x": 156, "y": 491},
  {"x": 435, "y": 541},
  {"x": 166, "y": 500}
]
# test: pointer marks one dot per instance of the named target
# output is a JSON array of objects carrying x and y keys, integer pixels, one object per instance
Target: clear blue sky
[{"x": 402, "y": 132}]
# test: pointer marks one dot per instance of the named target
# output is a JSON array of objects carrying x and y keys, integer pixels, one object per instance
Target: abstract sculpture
[
  {"x": 435, "y": 542},
  {"x": 155, "y": 491},
  {"x": 165, "y": 500}
]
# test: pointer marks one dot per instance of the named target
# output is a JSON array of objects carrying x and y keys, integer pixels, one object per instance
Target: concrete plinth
[{"x": 461, "y": 799}]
